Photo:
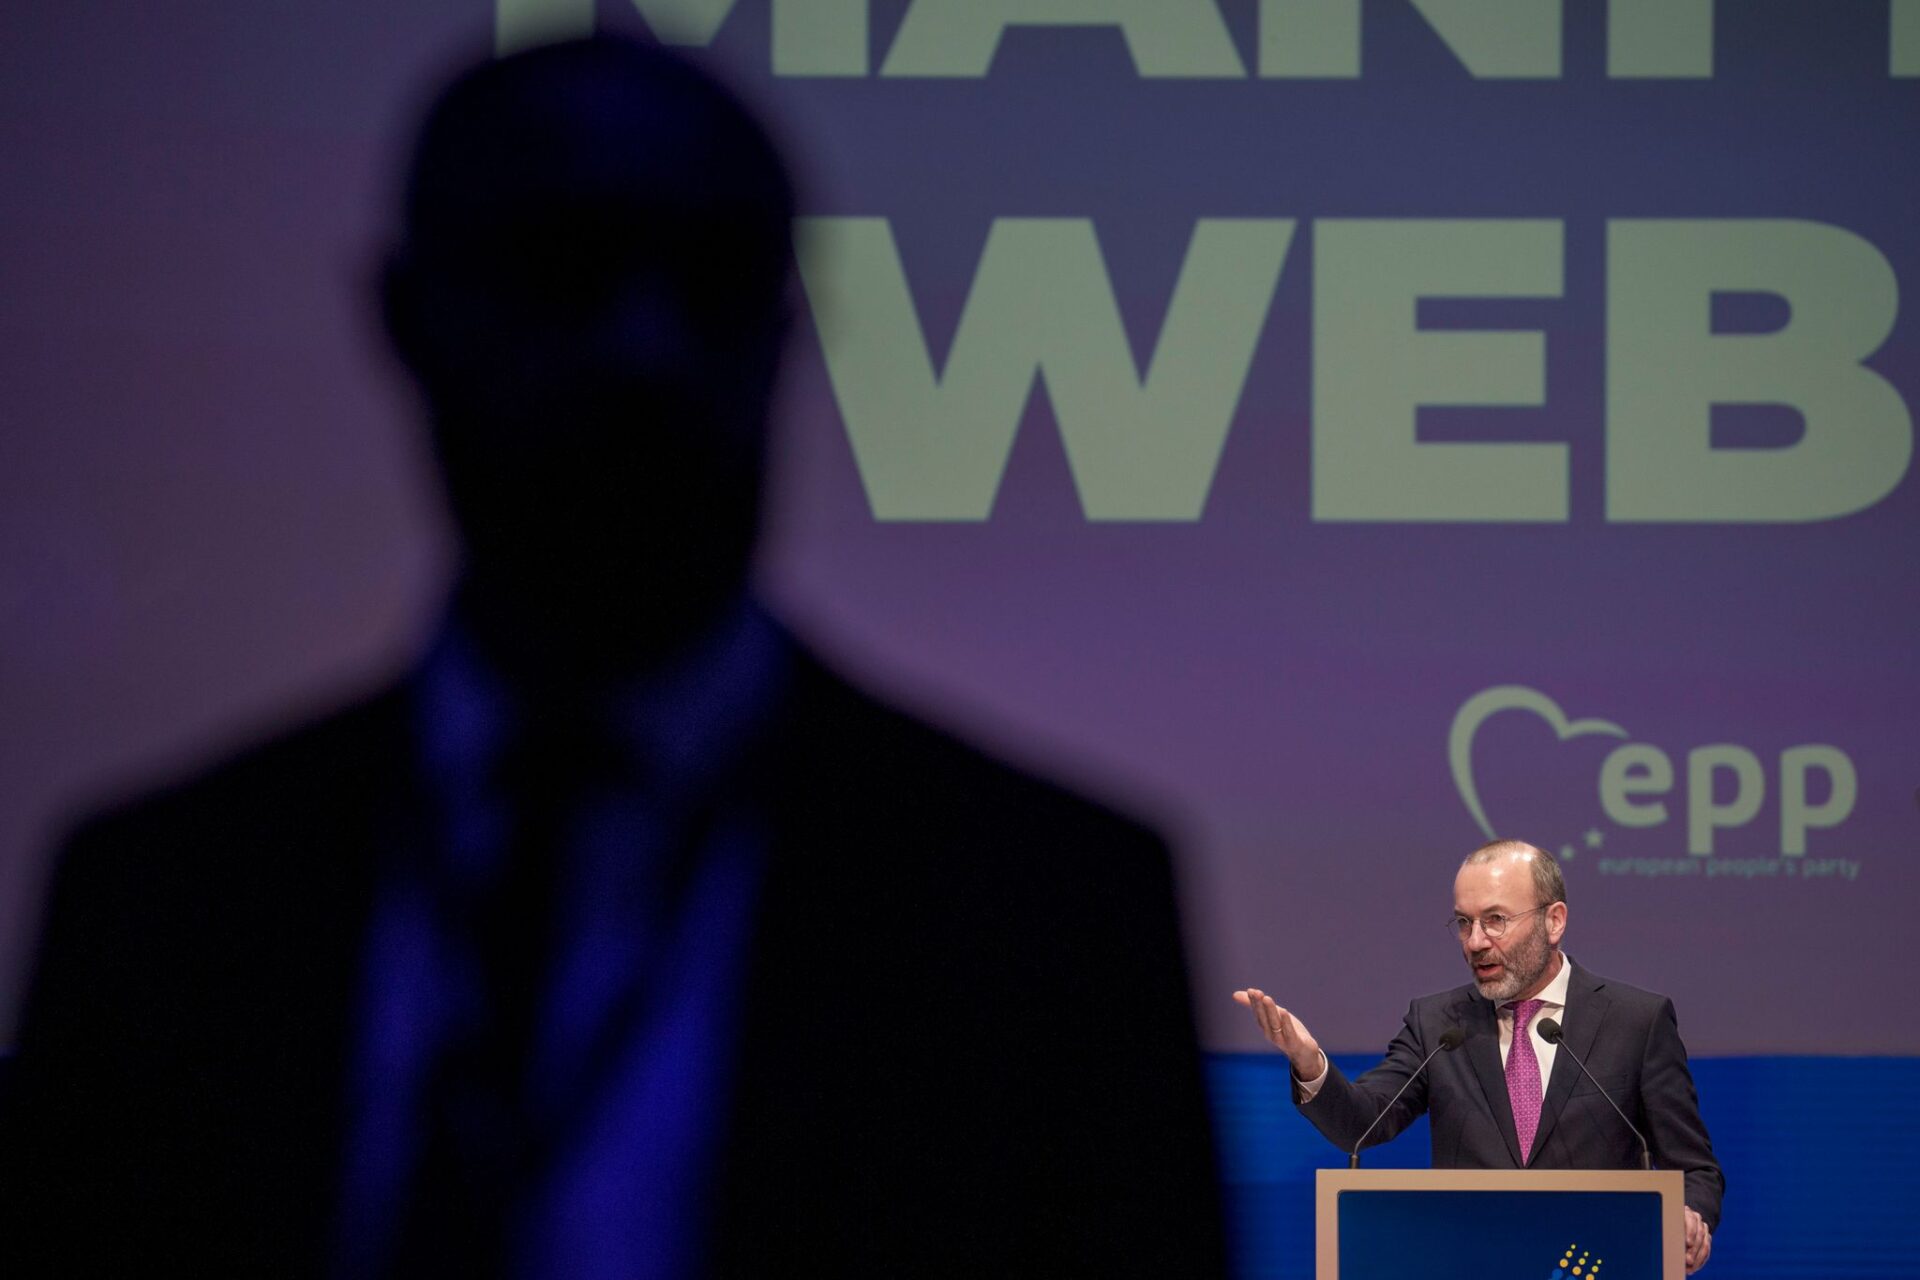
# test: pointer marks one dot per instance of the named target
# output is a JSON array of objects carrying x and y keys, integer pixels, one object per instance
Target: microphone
[
  {"x": 1550, "y": 1032},
  {"x": 1450, "y": 1039}
]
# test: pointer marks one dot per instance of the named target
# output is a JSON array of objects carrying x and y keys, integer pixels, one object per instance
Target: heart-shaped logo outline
[{"x": 1489, "y": 702}]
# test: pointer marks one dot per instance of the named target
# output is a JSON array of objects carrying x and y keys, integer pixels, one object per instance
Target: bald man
[{"x": 1508, "y": 1100}]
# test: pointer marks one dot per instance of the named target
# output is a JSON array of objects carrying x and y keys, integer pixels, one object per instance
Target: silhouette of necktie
[
  {"x": 479, "y": 1152},
  {"x": 1523, "y": 1078}
]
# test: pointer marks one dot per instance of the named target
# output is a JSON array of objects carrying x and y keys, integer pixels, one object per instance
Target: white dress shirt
[{"x": 1553, "y": 1004}]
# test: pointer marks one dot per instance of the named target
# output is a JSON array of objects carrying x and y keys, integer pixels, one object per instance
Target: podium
[{"x": 1498, "y": 1224}]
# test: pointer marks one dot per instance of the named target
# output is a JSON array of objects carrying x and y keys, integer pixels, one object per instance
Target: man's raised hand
[{"x": 1285, "y": 1032}]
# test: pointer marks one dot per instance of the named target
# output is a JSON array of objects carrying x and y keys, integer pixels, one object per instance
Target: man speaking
[{"x": 1509, "y": 1101}]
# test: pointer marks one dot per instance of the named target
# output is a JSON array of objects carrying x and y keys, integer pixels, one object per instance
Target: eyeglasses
[{"x": 1493, "y": 924}]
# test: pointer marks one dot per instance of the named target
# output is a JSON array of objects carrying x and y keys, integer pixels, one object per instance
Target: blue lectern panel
[{"x": 1499, "y": 1235}]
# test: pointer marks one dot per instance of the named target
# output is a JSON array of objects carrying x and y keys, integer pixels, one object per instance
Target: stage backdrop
[{"x": 1343, "y": 432}]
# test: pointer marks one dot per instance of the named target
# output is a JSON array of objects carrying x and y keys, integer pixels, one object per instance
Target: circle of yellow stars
[{"x": 1580, "y": 1268}]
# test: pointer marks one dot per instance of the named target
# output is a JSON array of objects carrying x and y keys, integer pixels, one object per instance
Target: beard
[{"x": 1523, "y": 961}]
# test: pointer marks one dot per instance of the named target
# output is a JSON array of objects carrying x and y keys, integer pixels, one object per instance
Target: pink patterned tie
[{"x": 1523, "y": 1077}]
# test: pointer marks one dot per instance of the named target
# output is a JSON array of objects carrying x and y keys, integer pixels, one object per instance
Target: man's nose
[{"x": 650, "y": 323}]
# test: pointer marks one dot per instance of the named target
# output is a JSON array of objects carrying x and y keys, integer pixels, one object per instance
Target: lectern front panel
[{"x": 1487, "y": 1225}]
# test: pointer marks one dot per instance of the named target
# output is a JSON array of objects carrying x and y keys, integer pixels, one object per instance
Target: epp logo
[{"x": 1637, "y": 777}]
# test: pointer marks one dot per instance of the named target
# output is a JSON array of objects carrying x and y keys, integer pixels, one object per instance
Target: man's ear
[{"x": 1556, "y": 922}]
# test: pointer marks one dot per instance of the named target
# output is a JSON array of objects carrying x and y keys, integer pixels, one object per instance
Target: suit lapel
[
  {"x": 295, "y": 836},
  {"x": 1587, "y": 1006},
  {"x": 1483, "y": 1051}
]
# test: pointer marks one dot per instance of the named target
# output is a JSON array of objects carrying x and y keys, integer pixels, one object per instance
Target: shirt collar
[{"x": 674, "y": 725}]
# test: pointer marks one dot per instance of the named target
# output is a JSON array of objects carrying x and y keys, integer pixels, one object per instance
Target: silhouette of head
[{"x": 590, "y": 289}]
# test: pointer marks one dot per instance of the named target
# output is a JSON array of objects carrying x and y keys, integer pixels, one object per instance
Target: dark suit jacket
[
  {"x": 928, "y": 1081},
  {"x": 1628, "y": 1038}
]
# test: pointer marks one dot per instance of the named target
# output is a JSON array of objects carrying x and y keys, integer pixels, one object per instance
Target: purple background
[{"x": 214, "y": 505}]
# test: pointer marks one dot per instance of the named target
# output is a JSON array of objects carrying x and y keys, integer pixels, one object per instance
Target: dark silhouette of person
[{"x": 619, "y": 937}]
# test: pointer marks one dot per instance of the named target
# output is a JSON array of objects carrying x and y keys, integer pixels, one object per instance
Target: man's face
[
  {"x": 590, "y": 289},
  {"x": 1518, "y": 965}
]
